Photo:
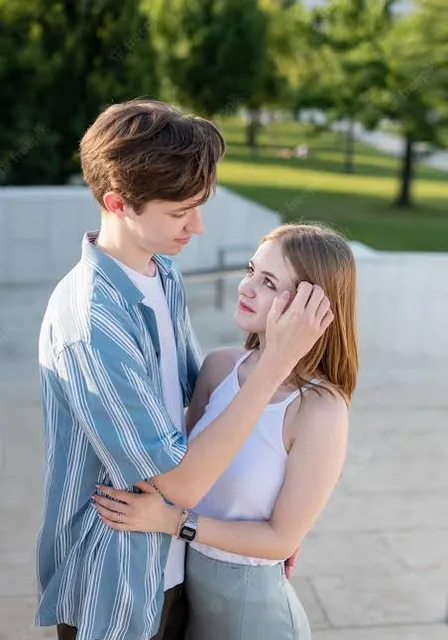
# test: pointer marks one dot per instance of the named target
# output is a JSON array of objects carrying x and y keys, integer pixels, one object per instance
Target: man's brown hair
[{"x": 147, "y": 150}]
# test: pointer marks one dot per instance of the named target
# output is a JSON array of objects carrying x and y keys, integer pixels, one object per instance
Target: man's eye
[{"x": 178, "y": 215}]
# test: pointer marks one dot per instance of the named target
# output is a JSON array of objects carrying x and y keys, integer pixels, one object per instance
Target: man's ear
[{"x": 114, "y": 203}]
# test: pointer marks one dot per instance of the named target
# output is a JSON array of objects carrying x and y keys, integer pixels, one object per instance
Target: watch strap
[{"x": 188, "y": 529}]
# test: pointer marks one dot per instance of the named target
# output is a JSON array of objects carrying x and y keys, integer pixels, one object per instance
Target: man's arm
[
  {"x": 110, "y": 393},
  {"x": 130, "y": 429},
  {"x": 132, "y": 434}
]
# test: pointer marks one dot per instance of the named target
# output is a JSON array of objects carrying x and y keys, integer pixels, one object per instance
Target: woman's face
[{"x": 268, "y": 275}]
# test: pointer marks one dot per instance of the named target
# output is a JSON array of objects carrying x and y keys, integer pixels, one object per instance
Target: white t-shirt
[{"x": 151, "y": 287}]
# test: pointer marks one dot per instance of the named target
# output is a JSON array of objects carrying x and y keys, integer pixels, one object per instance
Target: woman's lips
[{"x": 244, "y": 308}]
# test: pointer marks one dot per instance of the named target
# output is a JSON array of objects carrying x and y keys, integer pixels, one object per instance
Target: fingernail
[{"x": 285, "y": 295}]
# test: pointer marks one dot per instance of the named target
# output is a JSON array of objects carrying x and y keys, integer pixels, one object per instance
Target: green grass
[{"x": 359, "y": 204}]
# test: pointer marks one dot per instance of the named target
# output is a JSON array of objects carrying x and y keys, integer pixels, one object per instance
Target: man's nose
[{"x": 195, "y": 223}]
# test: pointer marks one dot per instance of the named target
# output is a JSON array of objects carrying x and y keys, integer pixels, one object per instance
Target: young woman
[{"x": 260, "y": 509}]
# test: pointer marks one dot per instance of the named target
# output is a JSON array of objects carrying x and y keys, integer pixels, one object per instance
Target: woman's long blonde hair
[{"x": 321, "y": 256}]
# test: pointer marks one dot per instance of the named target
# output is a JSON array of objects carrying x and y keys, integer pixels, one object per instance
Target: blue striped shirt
[{"x": 105, "y": 422}]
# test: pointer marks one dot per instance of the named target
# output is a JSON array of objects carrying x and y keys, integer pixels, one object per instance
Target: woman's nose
[{"x": 247, "y": 289}]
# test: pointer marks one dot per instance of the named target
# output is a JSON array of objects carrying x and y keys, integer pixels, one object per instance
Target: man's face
[{"x": 164, "y": 227}]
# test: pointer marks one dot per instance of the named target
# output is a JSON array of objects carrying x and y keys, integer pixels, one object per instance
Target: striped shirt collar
[{"x": 111, "y": 271}]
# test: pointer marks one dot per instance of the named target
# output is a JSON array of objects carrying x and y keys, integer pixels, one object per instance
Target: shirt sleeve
[
  {"x": 193, "y": 354},
  {"x": 124, "y": 419}
]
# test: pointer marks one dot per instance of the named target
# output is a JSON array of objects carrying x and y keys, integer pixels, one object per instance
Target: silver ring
[{"x": 118, "y": 517}]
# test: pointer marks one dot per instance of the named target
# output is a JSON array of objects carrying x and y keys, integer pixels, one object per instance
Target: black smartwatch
[{"x": 189, "y": 528}]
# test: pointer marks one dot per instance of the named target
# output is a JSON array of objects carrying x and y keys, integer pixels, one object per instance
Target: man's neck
[{"x": 132, "y": 257}]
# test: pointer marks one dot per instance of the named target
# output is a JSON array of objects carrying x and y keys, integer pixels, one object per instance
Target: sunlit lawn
[{"x": 318, "y": 189}]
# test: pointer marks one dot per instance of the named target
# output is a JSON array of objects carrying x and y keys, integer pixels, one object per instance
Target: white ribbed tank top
[{"x": 249, "y": 488}]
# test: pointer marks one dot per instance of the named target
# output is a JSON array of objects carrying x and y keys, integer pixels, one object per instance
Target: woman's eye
[
  {"x": 249, "y": 269},
  {"x": 269, "y": 284}
]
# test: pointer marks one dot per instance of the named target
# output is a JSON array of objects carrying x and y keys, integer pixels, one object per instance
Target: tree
[
  {"x": 221, "y": 60},
  {"x": 345, "y": 63},
  {"x": 363, "y": 62},
  {"x": 217, "y": 56},
  {"x": 272, "y": 91},
  {"x": 416, "y": 98},
  {"x": 62, "y": 62}
]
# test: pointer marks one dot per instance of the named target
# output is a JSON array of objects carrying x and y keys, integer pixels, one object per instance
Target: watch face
[{"x": 187, "y": 533}]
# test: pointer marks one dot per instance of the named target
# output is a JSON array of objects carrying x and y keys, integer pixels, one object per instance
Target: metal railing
[{"x": 221, "y": 271}]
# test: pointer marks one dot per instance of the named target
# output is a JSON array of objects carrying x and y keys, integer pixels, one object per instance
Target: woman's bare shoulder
[
  {"x": 321, "y": 409},
  {"x": 220, "y": 362}
]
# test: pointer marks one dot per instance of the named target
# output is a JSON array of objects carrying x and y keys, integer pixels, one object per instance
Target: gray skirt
[{"x": 241, "y": 602}]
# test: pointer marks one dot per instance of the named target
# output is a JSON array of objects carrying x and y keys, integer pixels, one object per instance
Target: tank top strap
[
  {"x": 309, "y": 385},
  {"x": 240, "y": 361},
  {"x": 295, "y": 394},
  {"x": 287, "y": 401}
]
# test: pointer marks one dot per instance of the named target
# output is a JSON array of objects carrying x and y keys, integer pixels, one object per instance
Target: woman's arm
[
  {"x": 290, "y": 334},
  {"x": 314, "y": 465}
]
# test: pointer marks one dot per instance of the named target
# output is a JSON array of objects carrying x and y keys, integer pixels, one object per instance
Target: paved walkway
[{"x": 376, "y": 565}]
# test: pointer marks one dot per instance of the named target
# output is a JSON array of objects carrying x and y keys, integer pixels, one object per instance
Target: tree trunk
[
  {"x": 404, "y": 198},
  {"x": 349, "y": 148},
  {"x": 252, "y": 129}
]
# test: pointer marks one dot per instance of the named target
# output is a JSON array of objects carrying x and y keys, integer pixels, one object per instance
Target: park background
[{"x": 334, "y": 111}]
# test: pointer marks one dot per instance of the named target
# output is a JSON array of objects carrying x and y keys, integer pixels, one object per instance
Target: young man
[{"x": 118, "y": 365}]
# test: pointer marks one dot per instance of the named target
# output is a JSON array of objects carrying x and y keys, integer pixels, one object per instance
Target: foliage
[
  {"x": 62, "y": 61},
  {"x": 359, "y": 61},
  {"x": 215, "y": 52}
]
